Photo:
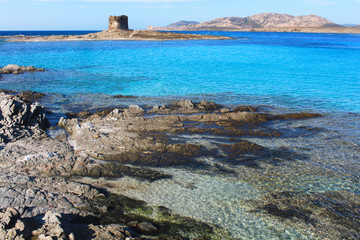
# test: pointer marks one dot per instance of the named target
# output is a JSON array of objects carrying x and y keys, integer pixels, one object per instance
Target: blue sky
[{"x": 93, "y": 14}]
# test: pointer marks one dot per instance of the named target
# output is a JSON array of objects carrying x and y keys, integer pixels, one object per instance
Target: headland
[{"x": 263, "y": 22}]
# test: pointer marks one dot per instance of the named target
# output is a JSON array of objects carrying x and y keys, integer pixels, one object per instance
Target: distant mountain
[
  {"x": 349, "y": 25},
  {"x": 181, "y": 24},
  {"x": 262, "y": 20},
  {"x": 356, "y": 26}
]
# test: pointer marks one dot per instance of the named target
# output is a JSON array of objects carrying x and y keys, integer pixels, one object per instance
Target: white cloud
[
  {"x": 320, "y": 2},
  {"x": 128, "y": 1}
]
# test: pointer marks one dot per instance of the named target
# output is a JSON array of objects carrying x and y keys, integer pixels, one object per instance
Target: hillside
[
  {"x": 181, "y": 24},
  {"x": 262, "y": 20}
]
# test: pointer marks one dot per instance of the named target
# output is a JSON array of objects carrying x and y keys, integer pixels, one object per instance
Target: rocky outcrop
[
  {"x": 19, "y": 119},
  {"x": 15, "y": 69}
]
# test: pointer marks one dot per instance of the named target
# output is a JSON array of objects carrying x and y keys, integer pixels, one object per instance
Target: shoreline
[
  {"x": 98, "y": 156},
  {"x": 344, "y": 30},
  {"x": 120, "y": 35}
]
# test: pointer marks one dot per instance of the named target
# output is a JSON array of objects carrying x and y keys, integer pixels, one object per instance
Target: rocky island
[
  {"x": 263, "y": 22},
  {"x": 118, "y": 31}
]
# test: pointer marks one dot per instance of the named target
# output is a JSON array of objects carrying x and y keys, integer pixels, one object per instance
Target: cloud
[{"x": 320, "y": 2}]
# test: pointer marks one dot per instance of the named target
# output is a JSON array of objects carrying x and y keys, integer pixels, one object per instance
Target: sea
[{"x": 291, "y": 72}]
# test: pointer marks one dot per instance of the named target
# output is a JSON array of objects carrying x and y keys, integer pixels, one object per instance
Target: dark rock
[
  {"x": 18, "y": 118},
  {"x": 82, "y": 114},
  {"x": 124, "y": 96},
  {"x": 186, "y": 104},
  {"x": 208, "y": 106},
  {"x": 337, "y": 212},
  {"x": 146, "y": 228},
  {"x": 245, "y": 109},
  {"x": 104, "y": 112},
  {"x": 296, "y": 116},
  {"x": 30, "y": 96},
  {"x": 7, "y": 91}
]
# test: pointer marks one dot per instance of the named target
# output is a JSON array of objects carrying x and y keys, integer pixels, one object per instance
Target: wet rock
[
  {"x": 189, "y": 106},
  {"x": 185, "y": 104},
  {"x": 6, "y": 91},
  {"x": 143, "y": 227},
  {"x": 15, "y": 69},
  {"x": 104, "y": 113},
  {"x": 82, "y": 114},
  {"x": 30, "y": 96},
  {"x": 297, "y": 116},
  {"x": 207, "y": 106},
  {"x": 116, "y": 170},
  {"x": 245, "y": 109},
  {"x": 332, "y": 215},
  {"x": 124, "y": 96}
]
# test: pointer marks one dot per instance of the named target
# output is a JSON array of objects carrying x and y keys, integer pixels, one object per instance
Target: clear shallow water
[
  {"x": 311, "y": 71},
  {"x": 291, "y": 71}
]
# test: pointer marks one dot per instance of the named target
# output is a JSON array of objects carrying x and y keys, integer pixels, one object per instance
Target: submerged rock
[
  {"x": 30, "y": 96},
  {"x": 331, "y": 215}
]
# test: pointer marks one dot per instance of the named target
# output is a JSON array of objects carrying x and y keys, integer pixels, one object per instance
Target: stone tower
[{"x": 118, "y": 22}]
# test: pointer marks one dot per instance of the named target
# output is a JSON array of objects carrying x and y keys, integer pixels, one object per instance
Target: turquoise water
[
  {"x": 294, "y": 70},
  {"x": 289, "y": 71}
]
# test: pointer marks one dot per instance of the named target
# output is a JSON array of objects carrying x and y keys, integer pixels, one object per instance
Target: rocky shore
[
  {"x": 118, "y": 35},
  {"x": 56, "y": 181}
]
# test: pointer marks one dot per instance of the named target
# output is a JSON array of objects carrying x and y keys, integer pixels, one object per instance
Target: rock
[
  {"x": 30, "y": 96},
  {"x": 19, "y": 119},
  {"x": 143, "y": 227},
  {"x": 124, "y": 96},
  {"x": 245, "y": 109},
  {"x": 186, "y": 104},
  {"x": 120, "y": 35},
  {"x": 15, "y": 69},
  {"x": 133, "y": 110},
  {"x": 146, "y": 228},
  {"x": 337, "y": 212},
  {"x": 10, "y": 226},
  {"x": 82, "y": 114},
  {"x": 208, "y": 106},
  {"x": 52, "y": 218},
  {"x": 295, "y": 116}
]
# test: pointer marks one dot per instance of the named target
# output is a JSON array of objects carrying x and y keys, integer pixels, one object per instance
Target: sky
[{"x": 93, "y": 14}]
